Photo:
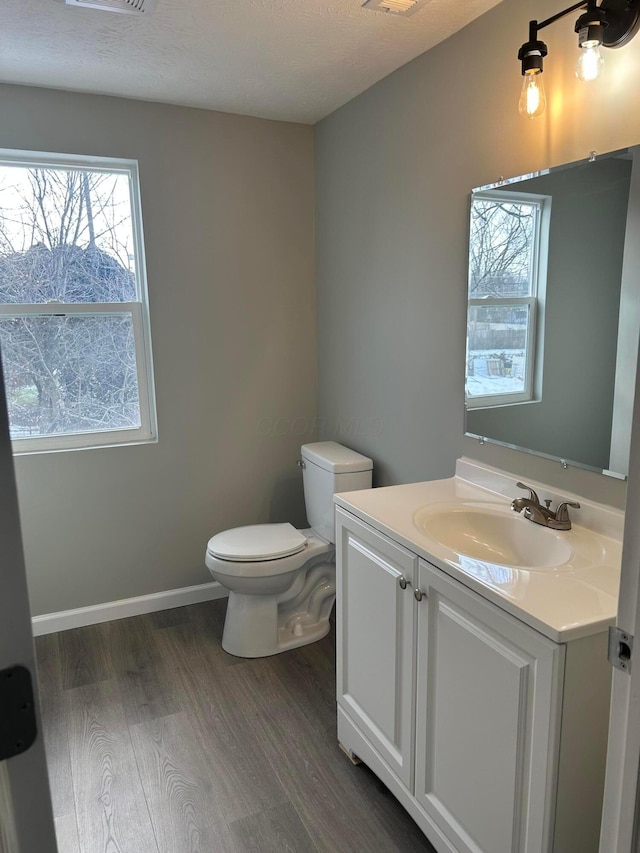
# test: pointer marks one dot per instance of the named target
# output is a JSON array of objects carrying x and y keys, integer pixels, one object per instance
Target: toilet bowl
[
  {"x": 281, "y": 580},
  {"x": 269, "y": 608}
]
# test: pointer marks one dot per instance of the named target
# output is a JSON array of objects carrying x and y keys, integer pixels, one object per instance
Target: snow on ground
[{"x": 481, "y": 384}]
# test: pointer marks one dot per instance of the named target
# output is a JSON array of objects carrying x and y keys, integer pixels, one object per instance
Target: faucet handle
[
  {"x": 532, "y": 495},
  {"x": 562, "y": 513}
]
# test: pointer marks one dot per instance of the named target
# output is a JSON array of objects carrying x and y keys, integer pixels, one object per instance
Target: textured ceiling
[{"x": 296, "y": 60}]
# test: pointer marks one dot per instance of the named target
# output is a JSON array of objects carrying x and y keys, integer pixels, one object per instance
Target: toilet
[{"x": 281, "y": 581}]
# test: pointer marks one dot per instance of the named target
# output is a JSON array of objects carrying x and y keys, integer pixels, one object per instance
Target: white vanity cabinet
[
  {"x": 463, "y": 710},
  {"x": 486, "y": 711},
  {"x": 376, "y": 667}
]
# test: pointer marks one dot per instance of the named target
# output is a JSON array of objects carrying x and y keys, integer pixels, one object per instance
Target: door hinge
[
  {"x": 620, "y": 649},
  {"x": 18, "y": 728}
]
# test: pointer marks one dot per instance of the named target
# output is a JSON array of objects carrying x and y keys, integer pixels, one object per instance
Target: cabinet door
[
  {"x": 376, "y": 639},
  {"x": 488, "y": 709}
]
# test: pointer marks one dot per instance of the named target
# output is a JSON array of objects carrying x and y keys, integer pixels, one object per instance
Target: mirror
[{"x": 553, "y": 317}]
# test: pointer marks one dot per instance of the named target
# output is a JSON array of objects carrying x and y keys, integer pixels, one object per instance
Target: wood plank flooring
[{"x": 159, "y": 742}]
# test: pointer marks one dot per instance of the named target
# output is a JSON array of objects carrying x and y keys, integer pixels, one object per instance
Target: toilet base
[
  {"x": 311, "y": 634},
  {"x": 251, "y": 628},
  {"x": 259, "y": 626},
  {"x": 286, "y": 641}
]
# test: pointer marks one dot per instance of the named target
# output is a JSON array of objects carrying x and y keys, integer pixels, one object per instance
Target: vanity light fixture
[{"x": 613, "y": 23}]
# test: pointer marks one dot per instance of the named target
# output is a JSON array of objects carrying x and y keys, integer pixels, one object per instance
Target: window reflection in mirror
[
  {"x": 508, "y": 241},
  {"x": 553, "y": 312}
]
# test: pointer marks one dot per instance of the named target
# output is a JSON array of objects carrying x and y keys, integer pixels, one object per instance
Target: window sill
[
  {"x": 506, "y": 405},
  {"x": 84, "y": 441}
]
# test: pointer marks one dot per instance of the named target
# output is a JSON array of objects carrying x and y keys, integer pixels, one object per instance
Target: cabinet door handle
[
  {"x": 403, "y": 582},
  {"x": 419, "y": 594}
]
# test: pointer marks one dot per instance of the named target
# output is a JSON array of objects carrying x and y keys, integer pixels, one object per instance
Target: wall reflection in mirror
[{"x": 553, "y": 315}]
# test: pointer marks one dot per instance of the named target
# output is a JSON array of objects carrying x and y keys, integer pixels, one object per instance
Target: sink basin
[{"x": 497, "y": 536}]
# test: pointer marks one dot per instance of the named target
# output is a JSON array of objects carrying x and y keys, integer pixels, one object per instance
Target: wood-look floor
[{"x": 159, "y": 742}]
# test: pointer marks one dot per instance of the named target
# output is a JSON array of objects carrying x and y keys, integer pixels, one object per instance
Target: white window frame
[
  {"x": 138, "y": 311},
  {"x": 535, "y": 301}
]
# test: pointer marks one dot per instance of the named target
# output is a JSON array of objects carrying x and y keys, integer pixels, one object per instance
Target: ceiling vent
[
  {"x": 395, "y": 7},
  {"x": 129, "y": 7}
]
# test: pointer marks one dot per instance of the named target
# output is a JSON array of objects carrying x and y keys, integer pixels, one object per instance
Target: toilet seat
[
  {"x": 257, "y": 543},
  {"x": 314, "y": 548}
]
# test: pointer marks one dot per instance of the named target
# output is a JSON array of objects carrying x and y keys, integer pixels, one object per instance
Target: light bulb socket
[
  {"x": 531, "y": 55},
  {"x": 590, "y": 27}
]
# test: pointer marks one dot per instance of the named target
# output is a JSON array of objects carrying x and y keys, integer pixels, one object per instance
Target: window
[
  {"x": 507, "y": 274},
  {"x": 74, "y": 323}
]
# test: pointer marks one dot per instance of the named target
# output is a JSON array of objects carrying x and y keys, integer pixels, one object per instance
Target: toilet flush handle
[{"x": 301, "y": 464}]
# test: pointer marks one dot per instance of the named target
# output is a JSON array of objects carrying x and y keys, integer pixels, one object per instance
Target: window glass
[
  {"x": 497, "y": 349},
  {"x": 69, "y": 374},
  {"x": 74, "y": 327},
  {"x": 501, "y": 257},
  {"x": 65, "y": 236}
]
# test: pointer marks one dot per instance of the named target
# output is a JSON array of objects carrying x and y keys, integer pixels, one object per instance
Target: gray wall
[
  {"x": 394, "y": 168},
  {"x": 228, "y": 221},
  {"x": 573, "y": 416}
]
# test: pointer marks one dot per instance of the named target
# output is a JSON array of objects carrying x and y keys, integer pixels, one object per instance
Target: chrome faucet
[{"x": 532, "y": 509}]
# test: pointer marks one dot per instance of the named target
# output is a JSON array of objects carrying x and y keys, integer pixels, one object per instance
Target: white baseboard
[{"x": 49, "y": 623}]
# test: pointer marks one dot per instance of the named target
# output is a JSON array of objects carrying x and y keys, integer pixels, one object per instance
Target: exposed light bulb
[
  {"x": 532, "y": 98},
  {"x": 590, "y": 61}
]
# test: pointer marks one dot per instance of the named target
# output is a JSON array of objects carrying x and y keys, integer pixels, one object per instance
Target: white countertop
[{"x": 566, "y": 602}]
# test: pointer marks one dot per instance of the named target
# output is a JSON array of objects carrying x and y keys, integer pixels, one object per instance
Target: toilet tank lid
[{"x": 335, "y": 457}]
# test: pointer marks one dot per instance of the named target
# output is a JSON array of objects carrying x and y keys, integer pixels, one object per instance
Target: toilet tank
[{"x": 329, "y": 467}]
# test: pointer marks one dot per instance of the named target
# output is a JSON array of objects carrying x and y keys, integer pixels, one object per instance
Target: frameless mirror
[{"x": 553, "y": 317}]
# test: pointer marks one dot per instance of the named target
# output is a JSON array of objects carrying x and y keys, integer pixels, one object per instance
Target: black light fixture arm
[
  {"x": 540, "y": 26},
  {"x": 533, "y": 51}
]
